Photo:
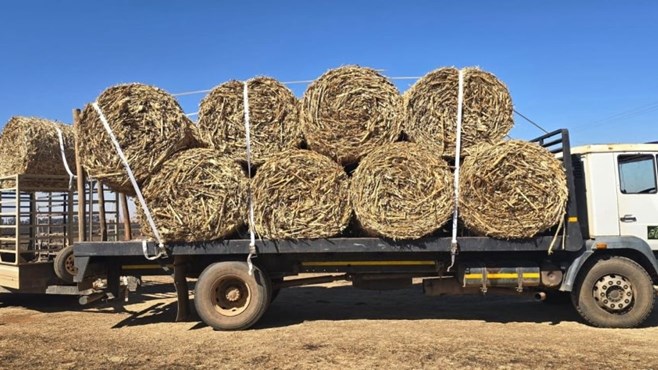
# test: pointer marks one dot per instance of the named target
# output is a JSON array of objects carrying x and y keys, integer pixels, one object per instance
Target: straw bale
[
  {"x": 431, "y": 109},
  {"x": 273, "y": 119},
  {"x": 30, "y": 145},
  {"x": 513, "y": 189},
  {"x": 349, "y": 111},
  {"x": 149, "y": 125},
  {"x": 196, "y": 195},
  {"x": 300, "y": 194},
  {"x": 402, "y": 191}
]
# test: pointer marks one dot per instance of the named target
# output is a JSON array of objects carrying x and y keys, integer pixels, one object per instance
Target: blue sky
[{"x": 589, "y": 66}]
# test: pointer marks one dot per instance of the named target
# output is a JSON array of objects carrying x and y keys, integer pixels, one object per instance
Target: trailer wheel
[
  {"x": 615, "y": 293},
  {"x": 64, "y": 264},
  {"x": 226, "y": 297}
]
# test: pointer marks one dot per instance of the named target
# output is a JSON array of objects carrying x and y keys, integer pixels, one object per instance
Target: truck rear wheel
[
  {"x": 615, "y": 293},
  {"x": 226, "y": 297}
]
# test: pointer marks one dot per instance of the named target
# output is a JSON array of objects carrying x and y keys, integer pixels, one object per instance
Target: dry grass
[
  {"x": 513, "y": 189},
  {"x": 196, "y": 195},
  {"x": 300, "y": 194},
  {"x": 273, "y": 118},
  {"x": 30, "y": 145},
  {"x": 349, "y": 111},
  {"x": 431, "y": 109},
  {"x": 402, "y": 191},
  {"x": 149, "y": 125}
]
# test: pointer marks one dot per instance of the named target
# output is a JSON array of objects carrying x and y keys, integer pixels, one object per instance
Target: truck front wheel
[
  {"x": 226, "y": 297},
  {"x": 615, "y": 293}
]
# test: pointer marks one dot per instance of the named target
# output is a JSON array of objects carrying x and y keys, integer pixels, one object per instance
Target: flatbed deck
[{"x": 330, "y": 245}]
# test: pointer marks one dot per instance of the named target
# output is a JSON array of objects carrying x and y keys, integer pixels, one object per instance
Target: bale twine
[
  {"x": 402, "y": 191},
  {"x": 149, "y": 125},
  {"x": 349, "y": 111},
  {"x": 513, "y": 189},
  {"x": 30, "y": 145},
  {"x": 431, "y": 109},
  {"x": 196, "y": 195},
  {"x": 273, "y": 119},
  {"x": 300, "y": 194}
]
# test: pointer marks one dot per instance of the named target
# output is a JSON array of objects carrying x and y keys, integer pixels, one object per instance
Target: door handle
[{"x": 628, "y": 218}]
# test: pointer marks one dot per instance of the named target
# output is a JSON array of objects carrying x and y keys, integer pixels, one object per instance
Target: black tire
[
  {"x": 226, "y": 297},
  {"x": 616, "y": 281},
  {"x": 64, "y": 265}
]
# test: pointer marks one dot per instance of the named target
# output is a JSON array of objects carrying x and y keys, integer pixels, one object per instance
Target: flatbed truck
[{"x": 603, "y": 256}]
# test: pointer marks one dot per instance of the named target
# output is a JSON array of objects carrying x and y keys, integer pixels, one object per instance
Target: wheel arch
[{"x": 630, "y": 247}]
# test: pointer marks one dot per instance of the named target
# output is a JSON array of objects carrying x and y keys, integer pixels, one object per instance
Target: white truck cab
[{"x": 618, "y": 184}]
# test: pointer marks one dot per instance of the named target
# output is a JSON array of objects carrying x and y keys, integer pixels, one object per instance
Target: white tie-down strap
[
  {"x": 458, "y": 148},
  {"x": 63, "y": 152},
  {"x": 133, "y": 181},
  {"x": 247, "y": 129}
]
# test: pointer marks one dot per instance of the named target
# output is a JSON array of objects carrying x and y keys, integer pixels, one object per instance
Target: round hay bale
[
  {"x": 273, "y": 119},
  {"x": 349, "y": 111},
  {"x": 300, "y": 194},
  {"x": 513, "y": 189},
  {"x": 196, "y": 195},
  {"x": 402, "y": 191},
  {"x": 30, "y": 145},
  {"x": 431, "y": 109},
  {"x": 149, "y": 125}
]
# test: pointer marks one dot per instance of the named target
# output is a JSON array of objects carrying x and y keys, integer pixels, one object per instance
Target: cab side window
[{"x": 637, "y": 174}]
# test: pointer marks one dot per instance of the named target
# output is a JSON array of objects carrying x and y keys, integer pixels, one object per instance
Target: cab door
[{"x": 637, "y": 196}]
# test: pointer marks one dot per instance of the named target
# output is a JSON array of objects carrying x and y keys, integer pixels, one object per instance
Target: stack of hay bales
[
  {"x": 30, "y": 145},
  {"x": 351, "y": 119},
  {"x": 508, "y": 189},
  {"x": 345, "y": 114}
]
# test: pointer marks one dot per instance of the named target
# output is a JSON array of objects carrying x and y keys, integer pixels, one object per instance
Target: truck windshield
[{"x": 637, "y": 174}]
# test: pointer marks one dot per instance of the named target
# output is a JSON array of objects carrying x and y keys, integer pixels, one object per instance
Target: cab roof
[{"x": 613, "y": 148}]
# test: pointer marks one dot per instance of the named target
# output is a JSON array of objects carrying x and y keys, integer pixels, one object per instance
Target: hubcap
[
  {"x": 231, "y": 296},
  {"x": 69, "y": 264},
  {"x": 613, "y": 293}
]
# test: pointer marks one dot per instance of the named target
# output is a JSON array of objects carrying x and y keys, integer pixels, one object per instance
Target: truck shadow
[
  {"x": 155, "y": 303},
  {"x": 297, "y": 305}
]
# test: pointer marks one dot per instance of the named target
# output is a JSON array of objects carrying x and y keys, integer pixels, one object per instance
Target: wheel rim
[
  {"x": 69, "y": 265},
  {"x": 614, "y": 293},
  {"x": 231, "y": 296}
]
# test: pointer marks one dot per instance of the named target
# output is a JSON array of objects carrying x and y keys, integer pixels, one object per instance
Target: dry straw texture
[
  {"x": 402, "y": 191},
  {"x": 196, "y": 195},
  {"x": 431, "y": 109},
  {"x": 149, "y": 125},
  {"x": 513, "y": 189},
  {"x": 349, "y": 111},
  {"x": 273, "y": 119},
  {"x": 300, "y": 194},
  {"x": 30, "y": 145}
]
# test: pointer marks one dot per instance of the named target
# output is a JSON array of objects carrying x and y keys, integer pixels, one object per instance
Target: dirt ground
[{"x": 323, "y": 326}]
